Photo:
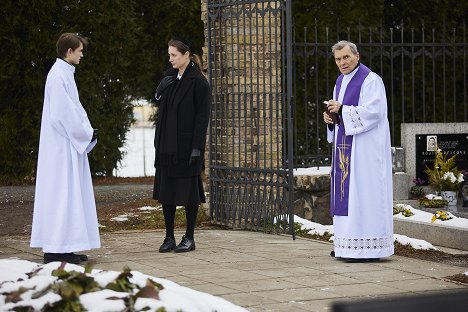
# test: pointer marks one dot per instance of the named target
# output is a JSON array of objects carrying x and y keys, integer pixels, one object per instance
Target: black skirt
[{"x": 178, "y": 191}]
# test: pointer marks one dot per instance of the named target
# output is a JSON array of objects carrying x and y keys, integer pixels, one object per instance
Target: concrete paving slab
[
  {"x": 363, "y": 290},
  {"x": 287, "y": 272},
  {"x": 262, "y": 284},
  {"x": 227, "y": 276},
  {"x": 292, "y": 306},
  {"x": 259, "y": 271},
  {"x": 422, "y": 267},
  {"x": 248, "y": 299},
  {"x": 423, "y": 284},
  {"x": 384, "y": 275},
  {"x": 300, "y": 294},
  {"x": 323, "y": 280}
]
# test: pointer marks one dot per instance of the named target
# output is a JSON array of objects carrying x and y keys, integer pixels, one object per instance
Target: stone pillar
[
  {"x": 244, "y": 62},
  {"x": 246, "y": 79}
]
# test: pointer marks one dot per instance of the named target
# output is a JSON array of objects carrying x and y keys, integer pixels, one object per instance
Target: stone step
[{"x": 436, "y": 234}]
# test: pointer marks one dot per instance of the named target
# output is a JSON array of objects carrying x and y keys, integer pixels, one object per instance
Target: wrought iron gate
[{"x": 250, "y": 143}]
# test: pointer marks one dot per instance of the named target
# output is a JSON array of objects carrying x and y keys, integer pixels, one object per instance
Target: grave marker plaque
[{"x": 450, "y": 144}]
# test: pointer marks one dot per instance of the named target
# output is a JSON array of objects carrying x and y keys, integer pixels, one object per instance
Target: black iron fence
[
  {"x": 250, "y": 183},
  {"x": 424, "y": 71}
]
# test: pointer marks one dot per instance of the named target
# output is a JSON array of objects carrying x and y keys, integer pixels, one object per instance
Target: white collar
[
  {"x": 64, "y": 64},
  {"x": 351, "y": 74}
]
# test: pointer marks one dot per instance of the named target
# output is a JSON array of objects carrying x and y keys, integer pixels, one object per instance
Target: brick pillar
[{"x": 246, "y": 78}]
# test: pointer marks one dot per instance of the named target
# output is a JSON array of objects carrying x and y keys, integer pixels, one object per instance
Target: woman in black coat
[{"x": 184, "y": 99}]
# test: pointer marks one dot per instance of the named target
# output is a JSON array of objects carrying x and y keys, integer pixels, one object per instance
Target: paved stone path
[{"x": 261, "y": 272}]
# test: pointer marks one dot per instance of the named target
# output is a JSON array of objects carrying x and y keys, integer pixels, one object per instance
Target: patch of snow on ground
[
  {"x": 13, "y": 275},
  {"x": 413, "y": 242},
  {"x": 313, "y": 227},
  {"x": 120, "y": 218},
  {"x": 149, "y": 208}
]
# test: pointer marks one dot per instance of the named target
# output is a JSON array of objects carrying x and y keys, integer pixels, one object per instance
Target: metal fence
[
  {"x": 424, "y": 72},
  {"x": 250, "y": 181}
]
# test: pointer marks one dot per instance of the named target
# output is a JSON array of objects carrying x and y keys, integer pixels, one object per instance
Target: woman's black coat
[{"x": 193, "y": 97}]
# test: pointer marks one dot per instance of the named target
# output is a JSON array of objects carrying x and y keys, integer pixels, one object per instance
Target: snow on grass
[
  {"x": 149, "y": 208},
  {"x": 173, "y": 297},
  {"x": 413, "y": 242},
  {"x": 120, "y": 218},
  {"x": 313, "y": 227}
]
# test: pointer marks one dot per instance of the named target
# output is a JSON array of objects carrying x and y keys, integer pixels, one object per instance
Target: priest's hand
[
  {"x": 334, "y": 106},
  {"x": 194, "y": 156},
  {"x": 327, "y": 118},
  {"x": 165, "y": 82}
]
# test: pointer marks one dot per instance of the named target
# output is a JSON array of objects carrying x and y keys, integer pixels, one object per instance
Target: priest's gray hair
[{"x": 343, "y": 43}]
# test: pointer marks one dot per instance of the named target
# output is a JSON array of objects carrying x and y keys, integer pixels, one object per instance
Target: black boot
[
  {"x": 83, "y": 258},
  {"x": 62, "y": 257},
  {"x": 168, "y": 244},
  {"x": 185, "y": 245}
]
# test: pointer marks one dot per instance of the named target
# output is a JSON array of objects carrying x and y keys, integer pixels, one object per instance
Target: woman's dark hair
[
  {"x": 183, "y": 47},
  {"x": 69, "y": 41}
]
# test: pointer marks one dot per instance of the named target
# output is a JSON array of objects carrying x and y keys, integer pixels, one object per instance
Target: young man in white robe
[
  {"x": 361, "y": 188},
  {"x": 64, "y": 219}
]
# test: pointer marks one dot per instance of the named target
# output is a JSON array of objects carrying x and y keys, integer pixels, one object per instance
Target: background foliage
[
  {"x": 128, "y": 54},
  {"x": 124, "y": 61}
]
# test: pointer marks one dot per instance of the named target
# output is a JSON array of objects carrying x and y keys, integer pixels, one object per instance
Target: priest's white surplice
[
  {"x": 64, "y": 218},
  {"x": 367, "y": 230}
]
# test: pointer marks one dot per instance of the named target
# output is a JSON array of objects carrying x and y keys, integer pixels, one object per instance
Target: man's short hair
[
  {"x": 69, "y": 41},
  {"x": 343, "y": 43}
]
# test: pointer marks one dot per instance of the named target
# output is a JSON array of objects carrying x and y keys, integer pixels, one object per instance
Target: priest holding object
[
  {"x": 361, "y": 188},
  {"x": 64, "y": 219}
]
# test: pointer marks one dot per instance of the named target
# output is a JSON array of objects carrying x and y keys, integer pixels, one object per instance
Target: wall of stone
[{"x": 312, "y": 198}]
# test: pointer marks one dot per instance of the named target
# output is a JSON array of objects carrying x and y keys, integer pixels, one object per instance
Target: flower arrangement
[
  {"x": 432, "y": 201},
  {"x": 399, "y": 208},
  {"x": 441, "y": 215},
  {"x": 445, "y": 175},
  {"x": 416, "y": 190}
]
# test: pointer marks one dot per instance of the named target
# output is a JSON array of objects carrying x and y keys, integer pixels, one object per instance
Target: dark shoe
[
  {"x": 361, "y": 260},
  {"x": 168, "y": 244},
  {"x": 185, "y": 245},
  {"x": 62, "y": 257},
  {"x": 83, "y": 258},
  {"x": 332, "y": 253}
]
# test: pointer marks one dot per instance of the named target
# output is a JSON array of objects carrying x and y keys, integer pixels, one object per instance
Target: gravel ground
[{"x": 17, "y": 202}]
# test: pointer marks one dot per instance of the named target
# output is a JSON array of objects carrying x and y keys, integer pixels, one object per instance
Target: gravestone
[{"x": 450, "y": 144}]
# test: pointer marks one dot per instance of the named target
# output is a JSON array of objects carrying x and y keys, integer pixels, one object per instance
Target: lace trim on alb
[
  {"x": 363, "y": 243},
  {"x": 354, "y": 117}
]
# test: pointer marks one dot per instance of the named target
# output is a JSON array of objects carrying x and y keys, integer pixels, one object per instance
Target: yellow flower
[{"x": 441, "y": 215}]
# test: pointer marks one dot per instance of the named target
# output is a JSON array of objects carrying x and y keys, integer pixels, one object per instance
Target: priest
[
  {"x": 361, "y": 188},
  {"x": 64, "y": 219}
]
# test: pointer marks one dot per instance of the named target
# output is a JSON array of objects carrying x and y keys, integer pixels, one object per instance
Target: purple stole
[{"x": 343, "y": 145}]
